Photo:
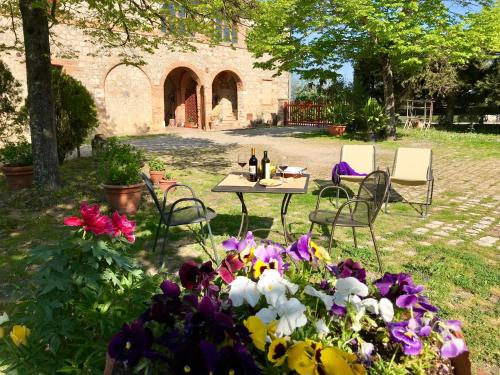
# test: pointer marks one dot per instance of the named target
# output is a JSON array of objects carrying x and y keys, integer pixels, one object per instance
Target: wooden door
[{"x": 191, "y": 108}]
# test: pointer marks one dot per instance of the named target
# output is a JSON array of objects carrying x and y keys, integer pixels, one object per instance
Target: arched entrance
[
  {"x": 225, "y": 88},
  {"x": 182, "y": 93}
]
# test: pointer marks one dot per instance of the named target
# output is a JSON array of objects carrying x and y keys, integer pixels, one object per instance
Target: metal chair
[
  {"x": 178, "y": 213},
  {"x": 363, "y": 208},
  {"x": 413, "y": 167}
]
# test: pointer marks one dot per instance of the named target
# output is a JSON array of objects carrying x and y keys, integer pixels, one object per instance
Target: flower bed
[{"x": 271, "y": 310}]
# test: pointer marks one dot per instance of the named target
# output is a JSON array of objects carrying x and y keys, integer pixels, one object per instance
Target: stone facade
[{"x": 209, "y": 88}]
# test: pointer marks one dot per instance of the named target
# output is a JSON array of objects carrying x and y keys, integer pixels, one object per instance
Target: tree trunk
[
  {"x": 389, "y": 101},
  {"x": 40, "y": 99},
  {"x": 450, "y": 109}
]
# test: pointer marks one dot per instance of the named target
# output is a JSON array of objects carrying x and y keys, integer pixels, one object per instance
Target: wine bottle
[
  {"x": 266, "y": 166},
  {"x": 252, "y": 167}
]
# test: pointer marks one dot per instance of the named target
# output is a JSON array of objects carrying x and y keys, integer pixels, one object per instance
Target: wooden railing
[{"x": 305, "y": 114}]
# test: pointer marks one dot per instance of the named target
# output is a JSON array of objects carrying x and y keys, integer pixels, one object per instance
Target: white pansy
[
  {"x": 356, "y": 321},
  {"x": 327, "y": 300},
  {"x": 291, "y": 315},
  {"x": 243, "y": 289},
  {"x": 267, "y": 315},
  {"x": 366, "y": 350},
  {"x": 4, "y": 318},
  {"x": 371, "y": 305},
  {"x": 322, "y": 328},
  {"x": 386, "y": 310},
  {"x": 346, "y": 288},
  {"x": 274, "y": 287}
]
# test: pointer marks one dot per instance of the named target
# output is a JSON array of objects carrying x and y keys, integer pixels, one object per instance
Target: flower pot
[
  {"x": 156, "y": 176},
  {"x": 124, "y": 198},
  {"x": 165, "y": 184},
  {"x": 18, "y": 177},
  {"x": 336, "y": 130}
]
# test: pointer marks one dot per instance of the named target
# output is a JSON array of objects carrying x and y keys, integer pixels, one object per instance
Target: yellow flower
[
  {"x": 19, "y": 335},
  {"x": 271, "y": 328},
  {"x": 319, "y": 252},
  {"x": 277, "y": 351},
  {"x": 246, "y": 255},
  {"x": 337, "y": 362},
  {"x": 301, "y": 357},
  {"x": 259, "y": 267},
  {"x": 258, "y": 331}
]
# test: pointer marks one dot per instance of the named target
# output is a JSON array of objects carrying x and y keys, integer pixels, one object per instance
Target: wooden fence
[{"x": 305, "y": 114}]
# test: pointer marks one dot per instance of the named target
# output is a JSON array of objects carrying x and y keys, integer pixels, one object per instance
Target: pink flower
[
  {"x": 123, "y": 226},
  {"x": 91, "y": 220}
]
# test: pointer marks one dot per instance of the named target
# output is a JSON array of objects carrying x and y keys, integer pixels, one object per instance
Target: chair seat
[
  {"x": 407, "y": 182},
  {"x": 189, "y": 215},
  {"x": 327, "y": 217},
  {"x": 351, "y": 178}
]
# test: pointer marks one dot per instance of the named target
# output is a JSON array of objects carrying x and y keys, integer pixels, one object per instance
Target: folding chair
[
  {"x": 413, "y": 167},
  {"x": 361, "y": 158},
  {"x": 183, "y": 211}
]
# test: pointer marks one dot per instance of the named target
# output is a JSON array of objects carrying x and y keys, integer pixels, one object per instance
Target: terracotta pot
[
  {"x": 124, "y": 198},
  {"x": 18, "y": 177},
  {"x": 156, "y": 176},
  {"x": 336, "y": 130},
  {"x": 165, "y": 184}
]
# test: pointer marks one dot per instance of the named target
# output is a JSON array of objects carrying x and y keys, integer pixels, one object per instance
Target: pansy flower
[
  {"x": 267, "y": 256},
  {"x": 242, "y": 289},
  {"x": 19, "y": 335},
  {"x": 91, "y": 220},
  {"x": 277, "y": 351},
  {"x": 229, "y": 266},
  {"x": 245, "y": 247},
  {"x": 304, "y": 249},
  {"x": 408, "y": 333},
  {"x": 260, "y": 331},
  {"x": 451, "y": 333},
  {"x": 391, "y": 284},
  {"x": 196, "y": 276},
  {"x": 348, "y": 268},
  {"x": 130, "y": 344},
  {"x": 274, "y": 287}
]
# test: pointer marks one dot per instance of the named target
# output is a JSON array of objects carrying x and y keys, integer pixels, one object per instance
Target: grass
[{"x": 462, "y": 279}]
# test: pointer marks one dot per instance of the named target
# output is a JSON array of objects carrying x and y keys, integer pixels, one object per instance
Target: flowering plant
[
  {"x": 271, "y": 310},
  {"x": 83, "y": 287}
]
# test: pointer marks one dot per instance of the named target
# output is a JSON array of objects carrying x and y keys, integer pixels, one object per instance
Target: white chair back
[{"x": 361, "y": 158}]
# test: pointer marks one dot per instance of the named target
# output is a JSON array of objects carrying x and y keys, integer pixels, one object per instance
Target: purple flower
[
  {"x": 195, "y": 276},
  {"x": 391, "y": 284},
  {"x": 348, "y": 268},
  {"x": 235, "y": 360},
  {"x": 299, "y": 250},
  {"x": 268, "y": 256},
  {"x": 406, "y": 333},
  {"x": 413, "y": 299},
  {"x": 233, "y": 244},
  {"x": 130, "y": 344},
  {"x": 338, "y": 310},
  {"x": 170, "y": 289},
  {"x": 453, "y": 347}
]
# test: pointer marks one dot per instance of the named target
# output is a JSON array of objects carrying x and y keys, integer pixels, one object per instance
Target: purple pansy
[
  {"x": 299, "y": 250},
  {"x": 196, "y": 276},
  {"x": 270, "y": 254},
  {"x": 348, "y": 268},
  {"x": 338, "y": 310},
  {"x": 130, "y": 344},
  {"x": 233, "y": 244},
  {"x": 453, "y": 344},
  {"x": 391, "y": 284},
  {"x": 408, "y": 334}
]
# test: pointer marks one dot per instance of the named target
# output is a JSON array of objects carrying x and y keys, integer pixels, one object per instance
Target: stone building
[{"x": 213, "y": 87}]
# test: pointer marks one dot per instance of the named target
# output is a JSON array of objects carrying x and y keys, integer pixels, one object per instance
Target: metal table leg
[
  {"x": 244, "y": 217},
  {"x": 284, "y": 209}
]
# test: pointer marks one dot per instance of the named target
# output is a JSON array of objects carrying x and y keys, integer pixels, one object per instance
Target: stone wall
[{"x": 130, "y": 99}]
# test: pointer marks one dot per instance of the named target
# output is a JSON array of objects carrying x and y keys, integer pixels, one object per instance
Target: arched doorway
[
  {"x": 225, "y": 87},
  {"x": 182, "y": 98}
]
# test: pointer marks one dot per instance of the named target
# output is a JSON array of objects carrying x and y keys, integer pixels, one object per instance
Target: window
[
  {"x": 173, "y": 17},
  {"x": 227, "y": 33}
]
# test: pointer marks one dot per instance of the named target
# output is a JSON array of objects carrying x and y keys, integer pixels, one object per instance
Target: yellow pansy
[
  {"x": 258, "y": 331},
  {"x": 271, "y": 328},
  {"x": 19, "y": 335},
  {"x": 337, "y": 362},
  {"x": 319, "y": 252},
  {"x": 246, "y": 255},
  {"x": 259, "y": 267},
  {"x": 277, "y": 351},
  {"x": 301, "y": 358}
]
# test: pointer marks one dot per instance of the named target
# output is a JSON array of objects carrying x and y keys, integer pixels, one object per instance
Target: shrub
[
  {"x": 75, "y": 110},
  {"x": 12, "y": 121},
  {"x": 375, "y": 117},
  {"x": 339, "y": 113},
  {"x": 83, "y": 288},
  {"x": 16, "y": 154},
  {"x": 156, "y": 164},
  {"x": 120, "y": 164}
]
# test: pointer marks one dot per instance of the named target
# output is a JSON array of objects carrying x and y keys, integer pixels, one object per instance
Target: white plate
[{"x": 294, "y": 170}]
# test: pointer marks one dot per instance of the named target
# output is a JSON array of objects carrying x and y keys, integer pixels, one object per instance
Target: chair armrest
[
  {"x": 348, "y": 204},
  {"x": 330, "y": 187}
]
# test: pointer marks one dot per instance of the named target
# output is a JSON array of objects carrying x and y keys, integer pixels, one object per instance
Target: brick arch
[
  {"x": 235, "y": 72},
  {"x": 227, "y": 97},
  {"x": 198, "y": 75},
  {"x": 128, "y": 100},
  {"x": 119, "y": 64}
]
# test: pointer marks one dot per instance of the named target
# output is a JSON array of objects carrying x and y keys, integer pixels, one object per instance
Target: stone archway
[
  {"x": 182, "y": 98},
  {"x": 225, "y": 92}
]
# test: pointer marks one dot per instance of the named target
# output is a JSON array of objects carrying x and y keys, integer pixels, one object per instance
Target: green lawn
[{"x": 463, "y": 278}]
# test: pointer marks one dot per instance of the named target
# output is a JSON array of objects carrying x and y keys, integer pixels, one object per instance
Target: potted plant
[
  {"x": 120, "y": 166},
  {"x": 375, "y": 118},
  {"x": 167, "y": 181},
  {"x": 156, "y": 170},
  {"x": 18, "y": 164},
  {"x": 190, "y": 122},
  {"x": 339, "y": 114}
]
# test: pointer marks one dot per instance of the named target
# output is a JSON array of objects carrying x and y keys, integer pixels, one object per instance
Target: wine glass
[
  {"x": 242, "y": 161},
  {"x": 282, "y": 166}
]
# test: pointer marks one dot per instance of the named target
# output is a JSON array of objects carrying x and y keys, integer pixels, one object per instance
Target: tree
[
  {"x": 11, "y": 123},
  {"x": 314, "y": 37},
  {"x": 125, "y": 25}
]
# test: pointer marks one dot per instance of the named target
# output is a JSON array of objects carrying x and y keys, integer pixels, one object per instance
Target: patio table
[{"x": 233, "y": 183}]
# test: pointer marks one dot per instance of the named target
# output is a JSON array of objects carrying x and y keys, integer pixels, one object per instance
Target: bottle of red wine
[
  {"x": 252, "y": 167},
  {"x": 266, "y": 166}
]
